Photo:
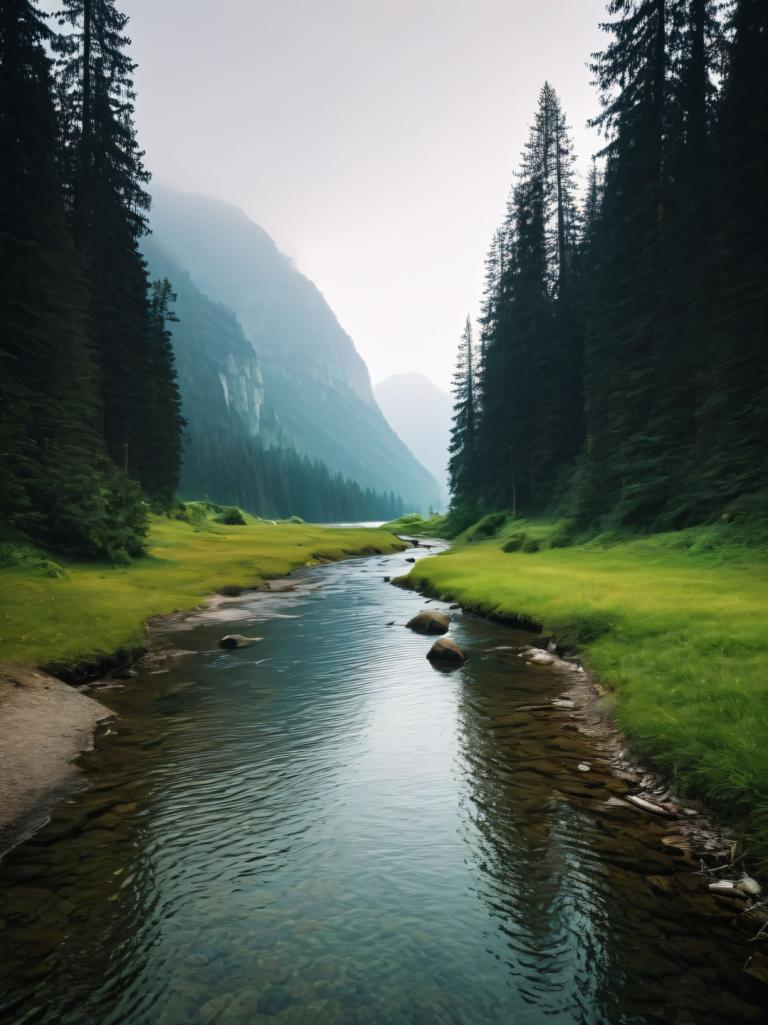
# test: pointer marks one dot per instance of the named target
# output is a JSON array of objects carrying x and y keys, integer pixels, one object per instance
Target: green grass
[
  {"x": 91, "y": 610},
  {"x": 676, "y": 624},
  {"x": 415, "y": 525}
]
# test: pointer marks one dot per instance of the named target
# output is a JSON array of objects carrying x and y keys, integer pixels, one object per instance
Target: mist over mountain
[
  {"x": 232, "y": 450},
  {"x": 421, "y": 413},
  {"x": 309, "y": 390}
]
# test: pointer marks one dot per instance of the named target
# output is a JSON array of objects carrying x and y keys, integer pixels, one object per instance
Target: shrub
[
  {"x": 29, "y": 560},
  {"x": 530, "y": 545},
  {"x": 489, "y": 526},
  {"x": 514, "y": 543},
  {"x": 231, "y": 516},
  {"x": 563, "y": 535}
]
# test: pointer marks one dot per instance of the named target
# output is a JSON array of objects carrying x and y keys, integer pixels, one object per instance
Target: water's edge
[
  {"x": 71, "y": 697},
  {"x": 326, "y": 827}
]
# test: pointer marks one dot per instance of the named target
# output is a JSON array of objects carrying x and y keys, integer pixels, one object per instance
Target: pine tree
[
  {"x": 733, "y": 419},
  {"x": 694, "y": 52},
  {"x": 105, "y": 186},
  {"x": 627, "y": 334},
  {"x": 530, "y": 374},
  {"x": 463, "y": 446},
  {"x": 164, "y": 424},
  {"x": 58, "y": 486}
]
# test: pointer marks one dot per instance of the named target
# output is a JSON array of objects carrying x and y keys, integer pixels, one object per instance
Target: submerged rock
[
  {"x": 237, "y": 641},
  {"x": 429, "y": 622},
  {"x": 446, "y": 650}
]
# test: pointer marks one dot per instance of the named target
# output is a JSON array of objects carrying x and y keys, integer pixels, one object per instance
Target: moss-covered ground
[
  {"x": 414, "y": 525},
  {"x": 62, "y": 614},
  {"x": 676, "y": 624}
]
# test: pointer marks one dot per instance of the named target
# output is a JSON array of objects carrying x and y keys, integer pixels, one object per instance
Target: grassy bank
[
  {"x": 677, "y": 624},
  {"x": 88, "y": 611},
  {"x": 414, "y": 525}
]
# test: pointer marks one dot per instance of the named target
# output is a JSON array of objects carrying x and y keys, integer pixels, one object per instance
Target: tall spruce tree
[
  {"x": 165, "y": 423},
  {"x": 107, "y": 201},
  {"x": 463, "y": 446},
  {"x": 733, "y": 418},
  {"x": 530, "y": 376},
  {"x": 58, "y": 486},
  {"x": 627, "y": 333}
]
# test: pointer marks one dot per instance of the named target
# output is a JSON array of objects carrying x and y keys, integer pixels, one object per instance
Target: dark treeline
[
  {"x": 621, "y": 375},
  {"x": 278, "y": 482},
  {"x": 90, "y": 417}
]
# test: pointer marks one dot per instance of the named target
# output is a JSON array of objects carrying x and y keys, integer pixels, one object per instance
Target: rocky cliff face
[
  {"x": 280, "y": 357},
  {"x": 218, "y": 369}
]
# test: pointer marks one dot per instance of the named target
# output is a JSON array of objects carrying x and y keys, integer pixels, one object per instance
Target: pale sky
[{"x": 375, "y": 140}]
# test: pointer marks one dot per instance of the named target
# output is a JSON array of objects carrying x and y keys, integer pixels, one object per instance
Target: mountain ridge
[{"x": 316, "y": 394}]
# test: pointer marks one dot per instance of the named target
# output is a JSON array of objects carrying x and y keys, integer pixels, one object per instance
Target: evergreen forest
[
  {"x": 620, "y": 372},
  {"x": 92, "y": 430}
]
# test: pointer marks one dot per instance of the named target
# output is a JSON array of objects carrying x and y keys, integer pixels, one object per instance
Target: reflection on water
[{"x": 323, "y": 828}]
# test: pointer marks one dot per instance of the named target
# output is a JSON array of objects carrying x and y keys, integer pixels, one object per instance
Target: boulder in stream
[
  {"x": 446, "y": 650},
  {"x": 237, "y": 641},
  {"x": 429, "y": 622}
]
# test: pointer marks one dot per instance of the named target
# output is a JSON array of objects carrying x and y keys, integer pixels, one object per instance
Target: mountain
[
  {"x": 421, "y": 413},
  {"x": 309, "y": 389},
  {"x": 225, "y": 457}
]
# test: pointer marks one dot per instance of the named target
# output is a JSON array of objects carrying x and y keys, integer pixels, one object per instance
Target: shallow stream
[{"x": 324, "y": 829}]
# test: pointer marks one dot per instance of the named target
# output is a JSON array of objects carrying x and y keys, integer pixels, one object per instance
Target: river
[{"x": 324, "y": 829}]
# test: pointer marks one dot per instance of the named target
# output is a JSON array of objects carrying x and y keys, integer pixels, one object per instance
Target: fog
[{"x": 376, "y": 140}]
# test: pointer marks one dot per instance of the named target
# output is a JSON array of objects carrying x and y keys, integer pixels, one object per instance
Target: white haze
[{"x": 374, "y": 139}]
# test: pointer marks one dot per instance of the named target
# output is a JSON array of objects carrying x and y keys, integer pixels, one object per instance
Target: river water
[{"x": 323, "y": 828}]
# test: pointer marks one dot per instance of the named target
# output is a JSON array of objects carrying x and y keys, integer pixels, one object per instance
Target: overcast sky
[{"x": 374, "y": 139}]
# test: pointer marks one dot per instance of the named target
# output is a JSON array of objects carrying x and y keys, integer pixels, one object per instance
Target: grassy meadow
[
  {"x": 62, "y": 614},
  {"x": 676, "y": 624}
]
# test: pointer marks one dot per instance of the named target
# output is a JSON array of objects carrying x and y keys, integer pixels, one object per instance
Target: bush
[
  {"x": 530, "y": 545},
  {"x": 195, "y": 512},
  {"x": 514, "y": 543},
  {"x": 489, "y": 526},
  {"x": 98, "y": 514},
  {"x": 29, "y": 560},
  {"x": 231, "y": 516},
  {"x": 563, "y": 535}
]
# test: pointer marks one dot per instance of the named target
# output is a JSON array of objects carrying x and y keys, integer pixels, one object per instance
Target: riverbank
[
  {"x": 76, "y": 619},
  {"x": 89, "y": 613},
  {"x": 44, "y": 726},
  {"x": 679, "y": 633}
]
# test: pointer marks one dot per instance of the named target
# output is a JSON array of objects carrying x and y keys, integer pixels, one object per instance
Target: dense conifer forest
[
  {"x": 92, "y": 430},
  {"x": 621, "y": 371}
]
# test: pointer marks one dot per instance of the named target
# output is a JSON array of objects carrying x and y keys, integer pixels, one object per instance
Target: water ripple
[{"x": 324, "y": 828}]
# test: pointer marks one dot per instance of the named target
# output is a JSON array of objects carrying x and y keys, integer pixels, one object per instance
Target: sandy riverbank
[{"x": 44, "y": 725}]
